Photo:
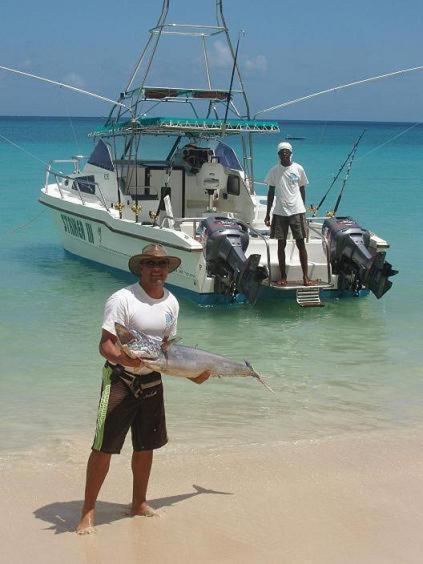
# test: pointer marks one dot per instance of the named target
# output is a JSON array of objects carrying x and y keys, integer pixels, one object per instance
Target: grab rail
[
  {"x": 60, "y": 175},
  {"x": 326, "y": 248}
]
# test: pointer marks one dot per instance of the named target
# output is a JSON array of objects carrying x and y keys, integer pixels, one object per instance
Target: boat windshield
[{"x": 227, "y": 156}]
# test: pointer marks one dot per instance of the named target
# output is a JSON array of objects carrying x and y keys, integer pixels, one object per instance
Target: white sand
[{"x": 351, "y": 500}]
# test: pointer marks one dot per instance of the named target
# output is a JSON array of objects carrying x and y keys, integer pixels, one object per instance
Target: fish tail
[{"x": 258, "y": 377}]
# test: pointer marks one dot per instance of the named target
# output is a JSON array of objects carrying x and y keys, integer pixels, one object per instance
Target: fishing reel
[
  {"x": 119, "y": 206},
  {"x": 136, "y": 208}
]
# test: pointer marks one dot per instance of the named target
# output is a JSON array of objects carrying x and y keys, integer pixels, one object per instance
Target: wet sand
[{"x": 342, "y": 500}]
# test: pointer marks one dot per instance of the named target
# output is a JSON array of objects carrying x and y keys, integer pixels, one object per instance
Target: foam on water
[{"x": 351, "y": 367}]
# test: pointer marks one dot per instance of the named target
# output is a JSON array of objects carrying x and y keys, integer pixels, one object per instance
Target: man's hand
[
  {"x": 201, "y": 377},
  {"x": 267, "y": 221},
  {"x": 132, "y": 362}
]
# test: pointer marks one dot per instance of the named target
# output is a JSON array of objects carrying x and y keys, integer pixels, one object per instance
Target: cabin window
[
  {"x": 85, "y": 184},
  {"x": 233, "y": 187}
]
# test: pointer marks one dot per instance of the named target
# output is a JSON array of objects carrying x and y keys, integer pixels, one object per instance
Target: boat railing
[
  {"x": 63, "y": 179},
  {"x": 178, "y": 221},
  {"x": 325, "y": 245}
]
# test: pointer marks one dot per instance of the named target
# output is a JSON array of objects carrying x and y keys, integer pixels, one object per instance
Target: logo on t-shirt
[
  {"x": 169, "y": 320},
  {"x": 293, "y": 178}
]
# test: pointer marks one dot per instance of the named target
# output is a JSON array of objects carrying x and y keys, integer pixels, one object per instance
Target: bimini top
[{"x": 169, "y": 125}]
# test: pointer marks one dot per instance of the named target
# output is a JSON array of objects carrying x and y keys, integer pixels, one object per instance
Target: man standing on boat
[
  {"x": 287, "y": 182},
  {"x": 132, "y": 394}
]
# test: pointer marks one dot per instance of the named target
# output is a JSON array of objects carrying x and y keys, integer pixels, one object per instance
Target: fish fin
[
  {"x": 258, "y": 377},
  {"x": 167, "y": 344}
]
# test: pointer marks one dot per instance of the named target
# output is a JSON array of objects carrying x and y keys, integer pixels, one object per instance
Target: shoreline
[{"x": 341, "y": 500}]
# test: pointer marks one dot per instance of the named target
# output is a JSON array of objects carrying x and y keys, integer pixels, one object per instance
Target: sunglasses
[{"x": 156, "y": 263}]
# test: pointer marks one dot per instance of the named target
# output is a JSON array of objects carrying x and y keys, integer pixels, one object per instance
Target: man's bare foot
[
  {"x": 308, "y": 282},
  {"x": 281, "y": 282},
  {"x": 143, "y": 510},
  {"x": 86, "y": 525}
]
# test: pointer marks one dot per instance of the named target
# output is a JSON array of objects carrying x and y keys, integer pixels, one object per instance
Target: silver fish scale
[{"x": 149, "y": 347}]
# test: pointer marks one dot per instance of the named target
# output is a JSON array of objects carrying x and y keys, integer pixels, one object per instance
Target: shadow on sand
[{"x": 63, "y": 516}]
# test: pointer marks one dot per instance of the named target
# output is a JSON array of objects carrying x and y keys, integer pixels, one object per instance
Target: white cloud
[
  {"x": 74, "y": 79},
  {"x": 220, "y": 56},
  {"x": 256, "y": 64}
]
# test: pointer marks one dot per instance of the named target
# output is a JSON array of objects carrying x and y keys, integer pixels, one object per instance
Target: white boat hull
[{"x": 99, "y": 237}]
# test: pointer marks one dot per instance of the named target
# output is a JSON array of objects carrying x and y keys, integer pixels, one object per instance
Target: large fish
[{"x": 178, "y": 360}]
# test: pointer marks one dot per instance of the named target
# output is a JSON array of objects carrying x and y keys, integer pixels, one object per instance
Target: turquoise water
[{"x": 351, "y": 367}]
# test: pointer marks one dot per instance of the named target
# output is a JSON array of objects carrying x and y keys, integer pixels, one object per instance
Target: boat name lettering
[
  {"x": 186, "y": 274},
  {"x": 76, "y": 228}
]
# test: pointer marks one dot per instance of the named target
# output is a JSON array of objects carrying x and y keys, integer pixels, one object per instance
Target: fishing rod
[
  {"x": 338, "y": 201},
  {"x": 354, "y": 148}
]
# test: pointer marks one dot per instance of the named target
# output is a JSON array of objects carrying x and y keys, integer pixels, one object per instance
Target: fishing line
[
  {"x": 23, "y": 150},
  {"x": 388, "y": 141},
  {"x": 30, "y": 222},
  {"x": 65, "y": 103}
]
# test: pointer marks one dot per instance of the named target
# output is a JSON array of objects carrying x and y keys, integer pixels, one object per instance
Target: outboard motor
[
  {"x": 355, "y": 262},
  {"x": 226, "y": 241}
]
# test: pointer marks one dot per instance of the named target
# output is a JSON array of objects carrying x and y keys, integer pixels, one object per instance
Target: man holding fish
[{"x": 132, "y": 393}]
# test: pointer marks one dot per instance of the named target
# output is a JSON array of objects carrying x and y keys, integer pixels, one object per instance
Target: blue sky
[{"x": 290, "y": 49}]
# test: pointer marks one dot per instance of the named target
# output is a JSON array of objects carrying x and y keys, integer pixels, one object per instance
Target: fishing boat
[{"x": 198, "y": 199}]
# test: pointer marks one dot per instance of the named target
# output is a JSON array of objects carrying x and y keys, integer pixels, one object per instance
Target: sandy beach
[{"x": 341, "y": 500}]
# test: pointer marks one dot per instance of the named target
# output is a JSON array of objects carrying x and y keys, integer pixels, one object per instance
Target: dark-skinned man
[{"x": 287, "y": 182}]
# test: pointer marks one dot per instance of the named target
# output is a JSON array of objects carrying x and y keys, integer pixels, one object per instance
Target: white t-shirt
[
  {"x": 133, "y": 308},
  {"x": 287, "y": 181}
]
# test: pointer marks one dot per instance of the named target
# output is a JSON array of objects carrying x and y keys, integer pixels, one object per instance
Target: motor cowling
[
  {"x": 352, "y": 258},
  {"x": 225, "y": 241}
]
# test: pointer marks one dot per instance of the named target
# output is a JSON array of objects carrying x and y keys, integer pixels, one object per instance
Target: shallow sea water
[{"x": 353, "y": 366}]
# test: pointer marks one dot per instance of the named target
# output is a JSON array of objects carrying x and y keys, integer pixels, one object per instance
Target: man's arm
[
  {"x": 302, "y": 192},
  {"x": 270, "y": 198},
  {"x": 113, "y": 353}
]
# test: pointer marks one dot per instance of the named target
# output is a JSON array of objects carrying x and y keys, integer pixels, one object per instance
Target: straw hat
[{"x": 152, "y": 252}]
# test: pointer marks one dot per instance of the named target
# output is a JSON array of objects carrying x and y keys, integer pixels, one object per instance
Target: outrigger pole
[
  {"x": 64, "y": 85},
  {"x": 340, "y": 87}
]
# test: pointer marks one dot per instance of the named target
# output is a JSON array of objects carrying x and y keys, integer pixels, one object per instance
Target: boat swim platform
[
  {"x": 296, "y": 285},
  {"x": 306, "y": 296}
]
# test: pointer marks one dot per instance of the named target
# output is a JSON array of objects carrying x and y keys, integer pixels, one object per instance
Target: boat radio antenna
[
  {"x": 232, "y": 79},
  {"x": 335, "y": 178}
]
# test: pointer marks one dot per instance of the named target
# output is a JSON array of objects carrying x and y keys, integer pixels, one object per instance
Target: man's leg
[
  {"x": 97, "y": 468},
  {"x": 281, "y": 260},
  {"x": 304, "y": 261},
  {"x": 141, "y": 467}
]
